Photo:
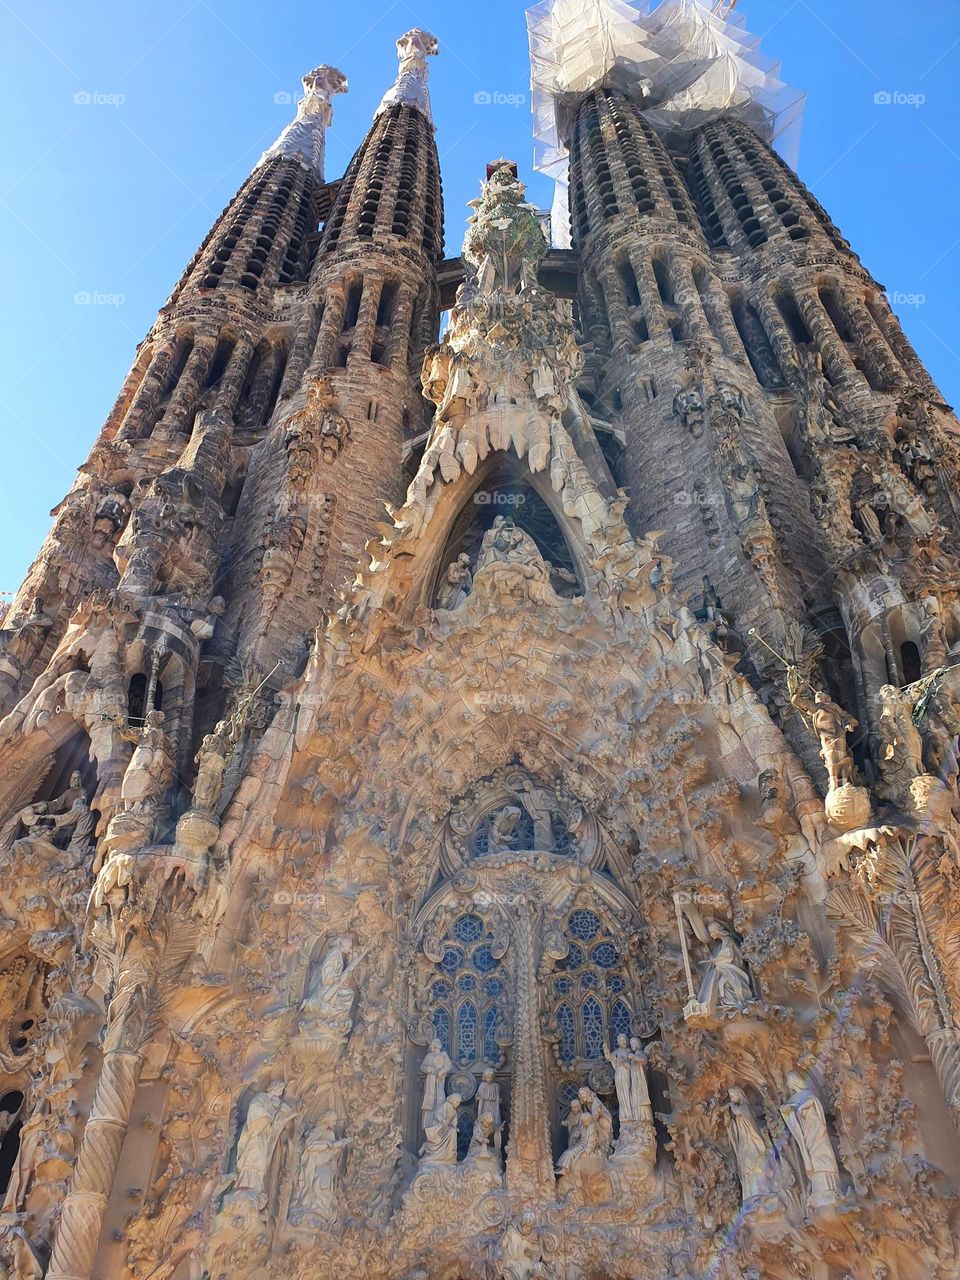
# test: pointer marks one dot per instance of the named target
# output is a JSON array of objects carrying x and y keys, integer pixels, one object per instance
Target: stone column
[
  {"x": 144, "y": 403},
  {"x": 331, "y": 327},
  {"x": 366, "y": 325},
  {"x": 620, "y": 327},
  {"x": 81, "y": 1219},
  {"x": 260, "y": 391},
  {"x": 777, "y": 333},
  {"x": 131, "y": 385},
  {"x": 399, "y": 341},
  {"x": 304, "y": 341},
  {"x": 234, "y": 376},
  {"x": 871, "y": 341},
  {"x": 691, "y": 306},
  {"x": 184, "y": 398},
  {"x": 836, "y": 357},
  {"x": 529, "y": 1157},
  {"x": 649, "y": 291}
]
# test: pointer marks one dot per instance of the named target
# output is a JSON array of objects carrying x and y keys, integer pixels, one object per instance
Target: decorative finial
[
  {"x": 305, "y": 138},
  {"x": 410, "y": 90}
]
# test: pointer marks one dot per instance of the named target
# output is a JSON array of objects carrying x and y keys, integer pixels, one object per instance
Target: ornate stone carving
[{"x": 803, "y": 1112}]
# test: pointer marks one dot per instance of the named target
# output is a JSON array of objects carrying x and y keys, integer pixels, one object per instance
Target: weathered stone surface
[{"x": 410, "y": 866}]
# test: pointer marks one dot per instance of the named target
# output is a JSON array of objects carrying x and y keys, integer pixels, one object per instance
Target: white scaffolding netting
[{"x": 684, "y": 62}]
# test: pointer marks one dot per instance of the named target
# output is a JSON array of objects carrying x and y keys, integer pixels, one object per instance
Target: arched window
[
  {"x": 593, "y": 1003},
  {"x": 467, "y": 997}
]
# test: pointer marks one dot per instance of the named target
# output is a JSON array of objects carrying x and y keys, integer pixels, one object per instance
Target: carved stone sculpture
[
  {"x": 831, "y": 724},
  {"x": 751, "y": 1149},
  {"x": 321, "y": 1156},
  {"x": 327, "y": 1008},
  {"x": 456, "y": 583},
  {"x": 268, "y": 1117},
  {"x": 435, "y": 1068},
  {"x": 803, "y": 1112},
  {"x": 520, "y": 1252},
  {"x": 630, "y": 1078},
  {"x": 440, "y": 1148},
  {"x": 726, "y": 983},
  {"x": 211, "y": 761},
  {"x": 488, "y": 1106},
  {"x": 150, "y": 771}
]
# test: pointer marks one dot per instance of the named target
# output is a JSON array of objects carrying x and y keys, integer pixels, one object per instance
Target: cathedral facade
[{"x": 479, "y": 755}]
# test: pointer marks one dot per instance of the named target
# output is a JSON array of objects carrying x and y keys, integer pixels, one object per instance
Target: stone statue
[
  {"x": 150, "y": 771},
  {"x": 501, "y": 829},
  {"x": 750, "y": 1148},
  {"x": 539, "y": 805},
  {"x": 803, "y": 1112},
  {"x": 520, "y": 1251},
  {"x": 726, "y": 983},
  {"x": 488, "y": 1105},
  {"x": 831, "y": 724},
  {"x": 55, "y": 821},
  {"x": 328, "y": 1002},
  {"x": 630, "y": 1079},
  {"x": 505, "y": 543},
  {"x": 315, "y": 1201},
  {"x": 591, "y": 1136},
  {"x": 211, "y": 761},
  {"x": 744, "y": 491},
  {"x": 456, "y": 583},
  {"x": 729, "y": 400},
  {"x": 481, "y": 1149},
  {"x": 440, "y": 1147},
  {"x": 688, "y": 406},
  {"x": 571, "y": 1123},
  {"x": 267, "y": 1117},
  {"x": 902, "y": 751},
  {"x": 436, "y": 1066}
]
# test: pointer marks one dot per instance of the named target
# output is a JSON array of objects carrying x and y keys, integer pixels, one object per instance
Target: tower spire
[
  {"x": 304, "y": 139},
  {"x": 410, "y": 89}
]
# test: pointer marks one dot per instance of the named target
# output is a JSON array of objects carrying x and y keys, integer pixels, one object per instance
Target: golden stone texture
[{"x": 493, "y": 887}]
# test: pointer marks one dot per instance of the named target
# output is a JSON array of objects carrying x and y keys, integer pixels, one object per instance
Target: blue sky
[{"x": 110, "y": 197}]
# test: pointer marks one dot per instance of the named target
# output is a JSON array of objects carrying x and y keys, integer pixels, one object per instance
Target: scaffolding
[{"x": 683, "y": 62}]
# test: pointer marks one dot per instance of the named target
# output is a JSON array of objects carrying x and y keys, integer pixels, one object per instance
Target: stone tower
[{"x": 483, "y": 804}]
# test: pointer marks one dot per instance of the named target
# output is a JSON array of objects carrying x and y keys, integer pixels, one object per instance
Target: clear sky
[{"x": 129, "y": 124}]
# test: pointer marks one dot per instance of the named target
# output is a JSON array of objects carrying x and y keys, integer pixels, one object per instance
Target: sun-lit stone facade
[{"x": 482, "y": 805}]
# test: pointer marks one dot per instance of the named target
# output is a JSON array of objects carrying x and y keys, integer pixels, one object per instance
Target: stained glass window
[
  {"x": 605, "y": 955},
  {"x": 619, "y": 1021},
  {"x": 592, "y": 1017},
  {"x": 467, "y": 1031},
  {"x": 594, "y": 1006},
  {"x": 568, "y": 1091},
  {"x": 468, "y": 992},
  {"x": 441, "y": 1025},
  {"x": 584, "y": 925},
  {"x": 491, "y": 1022},
  {"x": 567, "y": 1048},
  {"x": 468, "y": 928}
]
